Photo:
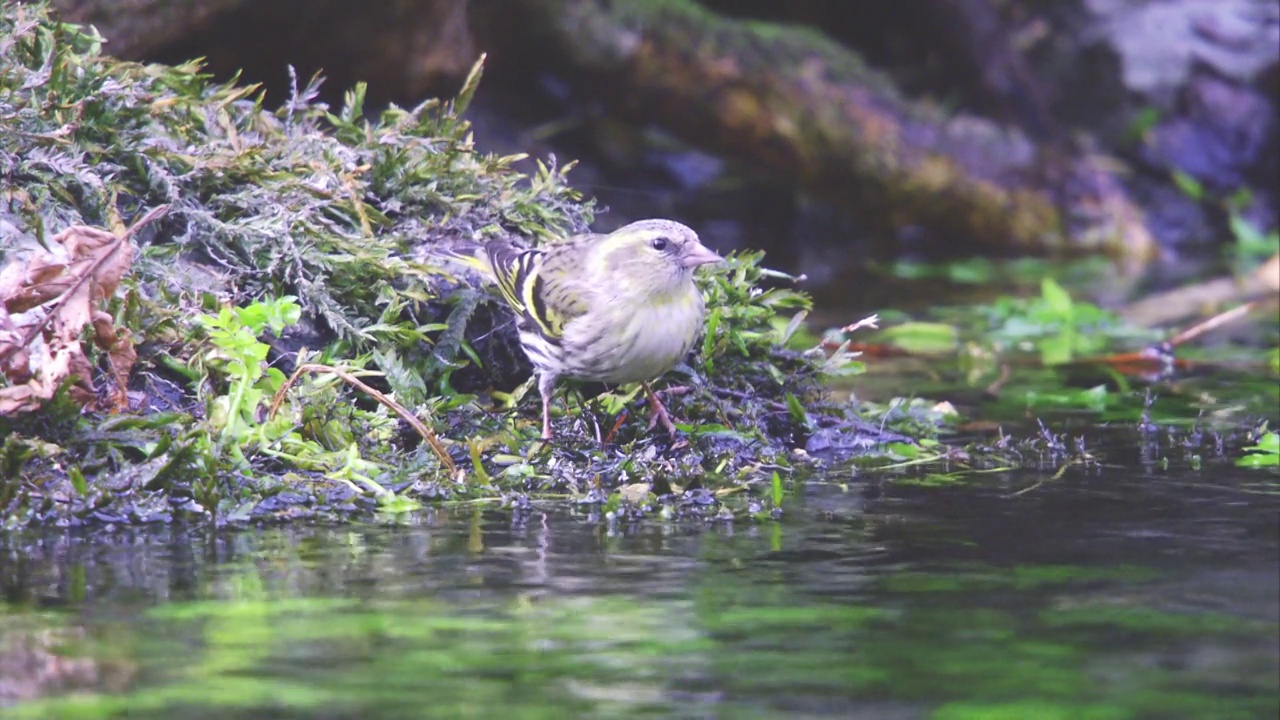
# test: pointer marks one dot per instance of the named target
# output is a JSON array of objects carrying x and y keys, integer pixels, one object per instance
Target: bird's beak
[{"x": 698, "y": 254}]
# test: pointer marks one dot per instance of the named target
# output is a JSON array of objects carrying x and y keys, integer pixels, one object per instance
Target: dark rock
[
  {"x": 1219, "y": 135},
  {"x": 280, "y": 502},
  {"x": 697, "y": 497}
]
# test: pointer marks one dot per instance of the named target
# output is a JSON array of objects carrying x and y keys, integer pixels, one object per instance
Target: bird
[{"x": 614, "y": 308}]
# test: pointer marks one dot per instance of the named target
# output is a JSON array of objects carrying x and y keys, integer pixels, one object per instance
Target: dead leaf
[
  {"x": 47, "y": 302},
  {"x": 635, "y": 493}
]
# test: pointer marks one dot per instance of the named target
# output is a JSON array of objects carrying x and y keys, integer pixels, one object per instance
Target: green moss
[
  {"x": 340, "y": 209},
  {"x": 768, "y": 47}
]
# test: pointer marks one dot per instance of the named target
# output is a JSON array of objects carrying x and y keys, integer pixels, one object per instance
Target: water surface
[
  {"x": 1102, "y": 593},
  {"x": 1110, "y": 592}
]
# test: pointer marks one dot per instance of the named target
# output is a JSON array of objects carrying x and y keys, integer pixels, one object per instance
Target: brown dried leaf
[
  {"x": 11, "y": 348},
  {"x": 46, "y": 302},
  {"x": 120, "y": 358},
  {"x": 17, "y": 399},
  {"x": 110, "y": 255},
  {"x": 47, "y": 369},
  {"x": 40, "y": 351},
  {"x": 33, "y": 283}
]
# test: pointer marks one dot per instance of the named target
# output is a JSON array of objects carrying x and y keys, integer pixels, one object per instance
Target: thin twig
[
  {"x": 1056, "y": 476},
  {"x": 1213, "y": 323},
  {"x": 426, "y": 432}
]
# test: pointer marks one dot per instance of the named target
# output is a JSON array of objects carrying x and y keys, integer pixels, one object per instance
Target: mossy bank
[{"x": 302, "y": 236}]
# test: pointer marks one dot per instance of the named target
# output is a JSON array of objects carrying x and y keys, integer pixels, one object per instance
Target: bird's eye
[{"x": 659, "y": 244}]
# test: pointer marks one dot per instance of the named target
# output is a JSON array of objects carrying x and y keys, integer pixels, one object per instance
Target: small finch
[{"x": 616, "y": 308}]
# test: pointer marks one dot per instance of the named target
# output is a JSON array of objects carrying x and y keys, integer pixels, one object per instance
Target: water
[{"x": 1111, "y": 592}]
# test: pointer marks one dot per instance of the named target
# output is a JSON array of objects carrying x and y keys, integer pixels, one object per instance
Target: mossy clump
[{"x": 338, "y": 212}]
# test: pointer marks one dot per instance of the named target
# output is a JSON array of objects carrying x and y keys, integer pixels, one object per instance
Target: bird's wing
[{"x": 542, "y": 284}]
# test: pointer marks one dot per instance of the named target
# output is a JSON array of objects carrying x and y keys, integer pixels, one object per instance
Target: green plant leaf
[
  {"x": 1056, "y": 298},
  {"x": 922, "y": 337},
  {"x": 1264, "y": 453}
]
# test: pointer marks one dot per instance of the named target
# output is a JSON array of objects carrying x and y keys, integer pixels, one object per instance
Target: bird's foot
[{"x": 658, "y": 413}]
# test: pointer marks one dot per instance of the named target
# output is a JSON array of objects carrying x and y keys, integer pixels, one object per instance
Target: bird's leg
[
  {"x": 595, "y": 422},
  {"x": 546, "y": 418},
  {"x": 546, "y": 386},
  {"x": 658, "y": 413}
]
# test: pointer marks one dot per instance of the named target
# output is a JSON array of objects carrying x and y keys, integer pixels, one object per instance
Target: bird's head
[{"x": 659, "y": 256}]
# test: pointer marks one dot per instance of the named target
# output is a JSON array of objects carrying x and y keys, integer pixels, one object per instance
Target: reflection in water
[{"x": 1102, "y": 594}]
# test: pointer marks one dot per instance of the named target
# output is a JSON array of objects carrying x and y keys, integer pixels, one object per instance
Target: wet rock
[
  {"x": 1218, "y": 137},
  {"x": 280, "y": 502},
  {"x": 1161, "y": 42},
  {"x": 828, "y": 440},
  {"x": 697, "y": 497},
  {"x": 138, "y": 26}
]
